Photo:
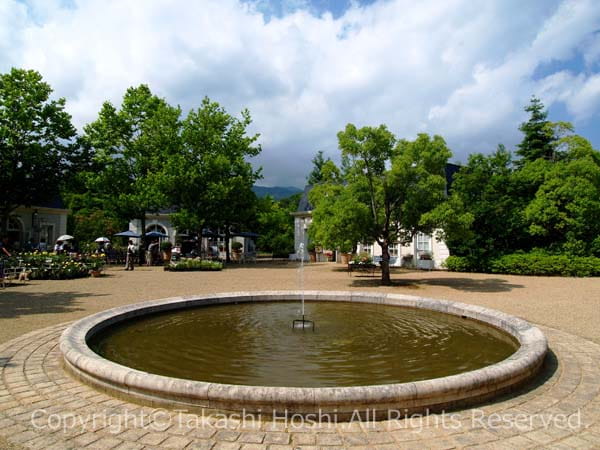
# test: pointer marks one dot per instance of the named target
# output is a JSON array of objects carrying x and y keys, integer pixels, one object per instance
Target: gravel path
[{"x": 569, "y": 304}]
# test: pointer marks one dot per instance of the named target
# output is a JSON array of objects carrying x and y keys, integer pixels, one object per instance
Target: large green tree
[
  {"x": 132, "y": 146},
  {"x": 393, "y": 183},
  {"x": 483, "y": 215},
  {"x": 212, "y": 178},
  {"x": 339, "y": 219},
  {"x": 547, "y": 200},
  {"x": 315, "y": 177},
  {"x": 564, "y": 214},
  {"x": 37, "y": 150},
  {"x": 275, "y": 224}
]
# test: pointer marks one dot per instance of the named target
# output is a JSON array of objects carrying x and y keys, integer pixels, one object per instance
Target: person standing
[
  {"x": 129, "y": 256},
  {"x": 3, "y": 247}
]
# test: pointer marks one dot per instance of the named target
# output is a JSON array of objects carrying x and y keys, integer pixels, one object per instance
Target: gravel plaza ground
[{"x": 567, "y": 310}]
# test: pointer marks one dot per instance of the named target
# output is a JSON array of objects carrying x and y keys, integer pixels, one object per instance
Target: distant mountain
[{"x": 277, "y": 192}]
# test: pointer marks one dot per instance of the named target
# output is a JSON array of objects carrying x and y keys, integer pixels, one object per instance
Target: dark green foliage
[
  {"x": 465, "y": 264},
  {"x": 131, "y": 146},
  {"x": 543, "y": 264},
  {"x": 276, "y": 225},
  {"x": 91, "y": 223},
  {"x": 534, "y": 263},
  {"x": 315, "y": 177},
  {"x": 538, "y": 134},
  {"x": 550, "y": 200},
  {"x": 37, "y": 151}
]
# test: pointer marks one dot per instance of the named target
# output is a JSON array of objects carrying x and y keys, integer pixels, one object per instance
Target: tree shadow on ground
[
  {"x": 460, "y": 284},
  {"x": 15, "y": 304},
  {"x": 262, "y": 265}
]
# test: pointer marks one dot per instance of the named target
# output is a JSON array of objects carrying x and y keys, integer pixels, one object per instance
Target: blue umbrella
[
  {"x": 128, "y": 233},
  {"x": 156, "y": 234}
]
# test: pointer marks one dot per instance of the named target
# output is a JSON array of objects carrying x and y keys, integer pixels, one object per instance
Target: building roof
[{"x": 304, "y": 205}]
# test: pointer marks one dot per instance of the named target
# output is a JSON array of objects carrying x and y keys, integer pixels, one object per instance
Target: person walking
[
  {"x": 3, "y": 247},
  {"x": 129, "y": 256}
]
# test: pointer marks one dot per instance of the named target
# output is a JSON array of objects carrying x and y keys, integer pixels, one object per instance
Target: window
[
  {"x": 394, "y": 250},
  {"x": 423, "y": 243},
  {"x": 367, "y": 248}
]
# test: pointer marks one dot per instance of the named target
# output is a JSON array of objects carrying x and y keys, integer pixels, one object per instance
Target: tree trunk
[
  {"x": 415, "y": 256},
  {"x": 385, "y": 264}
]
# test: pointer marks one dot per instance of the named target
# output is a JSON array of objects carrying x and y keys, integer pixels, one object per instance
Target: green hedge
[
  {"x": 189, "y": 265},
  {"x": 529, "y": 264},
  {"x": 464, "y": 264}
]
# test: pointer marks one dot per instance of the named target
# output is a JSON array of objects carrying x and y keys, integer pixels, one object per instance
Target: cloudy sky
[{"x": 305, "y": 68}]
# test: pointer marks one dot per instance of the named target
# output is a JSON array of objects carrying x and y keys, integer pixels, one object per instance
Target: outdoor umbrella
[
  {"x": 155, "y": 234},
  {"x": 65, "y": 237},
  {"x": 102, "y": 239},
  {"x": 128, "y": 233}
]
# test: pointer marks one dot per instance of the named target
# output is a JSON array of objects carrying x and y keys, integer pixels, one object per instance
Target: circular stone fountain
[{"x": 369, "y": 352}]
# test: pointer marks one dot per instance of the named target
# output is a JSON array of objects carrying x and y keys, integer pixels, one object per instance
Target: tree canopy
[
  {"x": 385, "y": 185},
  {"x": 211, "y": 179},
  {"x": 315, "y": 177},
  {"x": 37, "y": 148},
  {"x": 548, "y": 200}
]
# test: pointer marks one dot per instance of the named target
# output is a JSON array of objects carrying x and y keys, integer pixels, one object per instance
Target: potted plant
[
  {"x": 312, "y": 252},
  {"x": 95, "y": 266},
  {"x": 166, "y": 248},
  {"x": 345, "y": 254},
  {"x": 425, "y": 261},
  {"x": 236, "y": 249}
]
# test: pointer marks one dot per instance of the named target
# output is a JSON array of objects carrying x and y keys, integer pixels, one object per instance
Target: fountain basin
[{"x": 410, "y": 397}]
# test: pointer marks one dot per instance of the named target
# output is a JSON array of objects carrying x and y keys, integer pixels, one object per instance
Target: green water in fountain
[{"x": 254, "y": 344}]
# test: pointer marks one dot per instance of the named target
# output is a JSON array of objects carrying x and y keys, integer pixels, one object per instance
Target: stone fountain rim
[{"x": 460, "y": 389}]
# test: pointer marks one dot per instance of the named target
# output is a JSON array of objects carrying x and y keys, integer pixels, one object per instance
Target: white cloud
[{"x": 442, "y": 67}]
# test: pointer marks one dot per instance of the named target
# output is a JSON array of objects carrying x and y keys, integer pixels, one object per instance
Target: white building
[{"x": 37, "y": 224}]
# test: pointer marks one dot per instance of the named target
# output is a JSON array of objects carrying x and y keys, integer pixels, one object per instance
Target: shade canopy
[
  {"x": 155, "y": 234},
  {"x": 102, "y": 239},
  {"x": 65, "y": 237},
  {"x": 128, "y": 233}
]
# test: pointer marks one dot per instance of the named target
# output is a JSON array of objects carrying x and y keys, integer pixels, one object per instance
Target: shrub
[
  {"x": 236, "y": 246},
  {"x": 534, "y": 263},
  {"x": 190, "y": 265},
  {"x": 543, "y": 264},
  {"x": 166, "y": 246},
  {"x": 362, "y": 258},
  {"x": 464, "y": 264}
]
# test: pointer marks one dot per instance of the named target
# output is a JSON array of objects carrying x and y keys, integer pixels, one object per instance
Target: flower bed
[
  {"x": 191, "y": 264},
  {"x": 48, "y": 266}
]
